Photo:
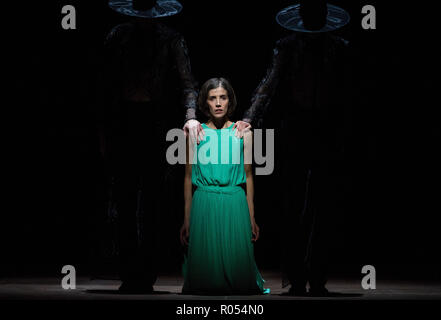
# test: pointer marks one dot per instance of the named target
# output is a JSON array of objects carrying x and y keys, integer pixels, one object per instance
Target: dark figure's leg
[
  {"x": 322, "y": 212},
  {"x": 152, "y": 162},
  {"x": 146, "y": 215},
  {"x": 136, "y": 195},
  {"x": 147, "y": 221},
  {"x": 294, "y": 238},
  {"x": 129, "y": 232}
]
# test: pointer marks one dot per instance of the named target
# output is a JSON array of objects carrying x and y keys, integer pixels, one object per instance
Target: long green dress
[{"x": 220, "y": 256}]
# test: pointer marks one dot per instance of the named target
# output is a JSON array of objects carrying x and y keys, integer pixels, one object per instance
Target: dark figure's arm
[
  {"x": 264, "y": 92},
  {"x": 191, "y": 127},
  {"x": 189, "y": 94}
]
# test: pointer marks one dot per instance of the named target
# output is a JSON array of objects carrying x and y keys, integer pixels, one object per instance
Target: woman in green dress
[{"x": 219, "y": 226}]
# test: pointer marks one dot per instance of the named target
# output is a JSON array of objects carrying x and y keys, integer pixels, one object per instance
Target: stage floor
[{"x": 168, "y": 287}]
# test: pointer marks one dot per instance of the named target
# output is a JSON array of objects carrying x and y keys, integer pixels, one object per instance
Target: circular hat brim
[
  {"x": 163, "y": 8},
  {"x": 289, "y": 18}
]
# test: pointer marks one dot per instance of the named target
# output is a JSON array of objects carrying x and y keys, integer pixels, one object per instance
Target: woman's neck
[{"x": 222, "y": 123}]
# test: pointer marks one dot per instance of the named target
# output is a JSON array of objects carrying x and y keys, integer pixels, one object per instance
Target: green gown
[{"x": 220, "y": 255}]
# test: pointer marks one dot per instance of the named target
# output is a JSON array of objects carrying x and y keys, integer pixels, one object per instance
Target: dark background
[{"x": 55, "y": 183}]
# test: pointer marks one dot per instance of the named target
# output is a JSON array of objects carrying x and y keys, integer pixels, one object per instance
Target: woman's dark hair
[{"x": 214, "y": 83}]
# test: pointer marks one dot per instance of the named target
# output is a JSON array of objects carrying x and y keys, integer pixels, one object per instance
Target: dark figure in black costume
[
  {"x": 144, "y": 62},
  {"x": 307, "y": 83}
]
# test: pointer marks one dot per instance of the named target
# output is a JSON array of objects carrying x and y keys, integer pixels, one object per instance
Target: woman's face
[{"x": 217, "y": 101}]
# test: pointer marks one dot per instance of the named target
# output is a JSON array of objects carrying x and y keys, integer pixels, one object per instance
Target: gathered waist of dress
[{"x": 220, "y": 189}]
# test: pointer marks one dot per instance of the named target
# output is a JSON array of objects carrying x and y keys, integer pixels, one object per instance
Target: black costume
[
  {"x": 146, "y": 68},
  {"x": 307, "y": 82}
]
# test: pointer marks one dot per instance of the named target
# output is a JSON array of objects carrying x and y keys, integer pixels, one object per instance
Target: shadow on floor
[
  {"x": 116, "y": 292},
  {"x": 329, "y": 294}
]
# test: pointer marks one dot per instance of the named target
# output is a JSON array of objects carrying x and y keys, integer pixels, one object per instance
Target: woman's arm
[
  {"x": 248, "y": 142},
  {"x": 188, "y": 197},
  {"x": 250, "y": 189}
]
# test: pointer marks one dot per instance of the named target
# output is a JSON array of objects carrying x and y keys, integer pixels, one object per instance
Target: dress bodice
[{"x": 219, "y": 159}]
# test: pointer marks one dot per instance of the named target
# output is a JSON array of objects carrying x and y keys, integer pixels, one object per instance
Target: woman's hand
[
  {"x": 255, "y": 231},
  {"x": 185, "y": 233}
]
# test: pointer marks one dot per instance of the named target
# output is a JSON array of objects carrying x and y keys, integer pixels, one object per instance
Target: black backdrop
[{"x": 55, "y": 181}]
